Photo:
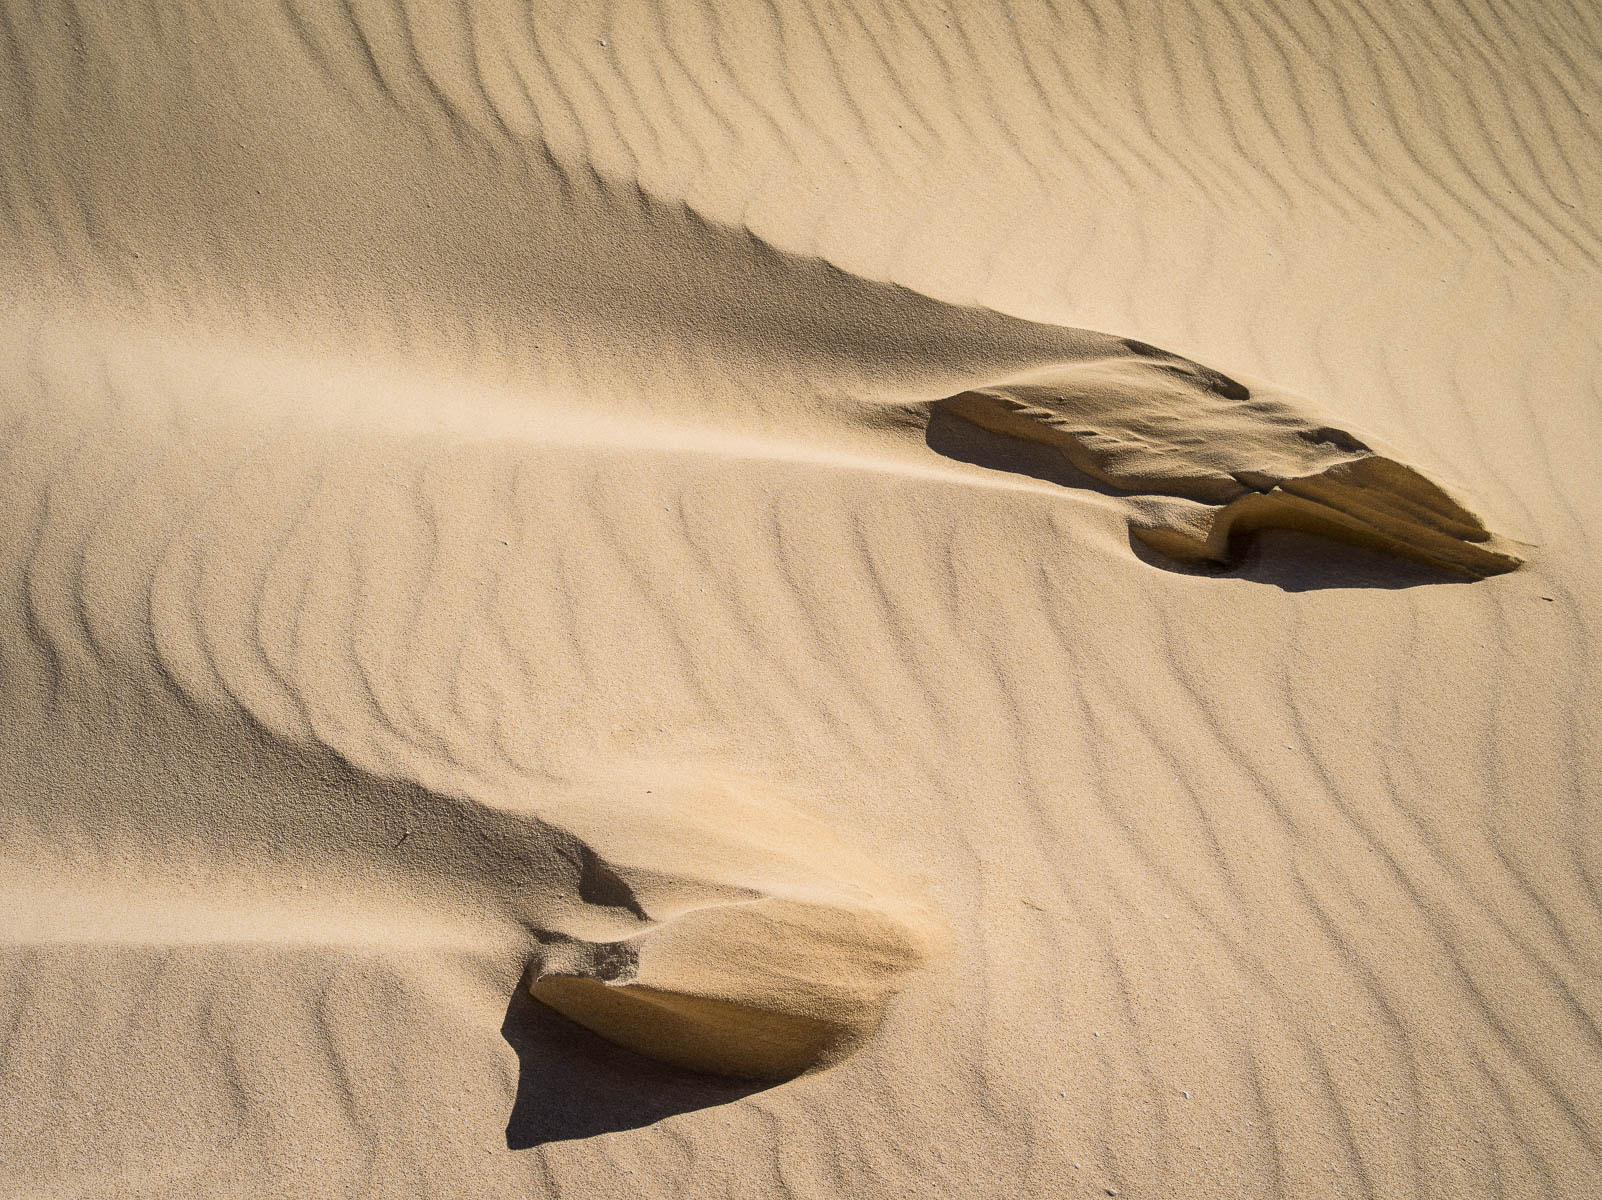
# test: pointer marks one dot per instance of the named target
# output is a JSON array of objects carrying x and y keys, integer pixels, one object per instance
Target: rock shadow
[
  {"x": 573, "y": 1084},
  {"x": 1303, "y": 562}
]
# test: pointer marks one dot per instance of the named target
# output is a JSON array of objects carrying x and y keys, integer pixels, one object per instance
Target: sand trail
[{"x": 206, "y": 592}]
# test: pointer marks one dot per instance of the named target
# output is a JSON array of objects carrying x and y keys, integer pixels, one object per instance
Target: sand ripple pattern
[{"x": 329, "y": 541}]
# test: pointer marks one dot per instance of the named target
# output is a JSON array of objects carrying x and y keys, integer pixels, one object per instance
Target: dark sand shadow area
[{"x": 573, "y": 1084}]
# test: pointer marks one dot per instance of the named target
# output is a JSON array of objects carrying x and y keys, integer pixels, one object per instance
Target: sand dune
[{"x": 619, "y": 599}]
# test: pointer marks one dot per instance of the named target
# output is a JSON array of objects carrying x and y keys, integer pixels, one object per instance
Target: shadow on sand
[{"x": 574, "y": 1084}]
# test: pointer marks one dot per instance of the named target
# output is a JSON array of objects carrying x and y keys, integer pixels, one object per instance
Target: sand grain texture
[{"x": 677, "y": 516}]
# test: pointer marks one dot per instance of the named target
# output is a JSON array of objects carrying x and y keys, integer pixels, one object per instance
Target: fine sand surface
[{"x": 583, "y": 614}]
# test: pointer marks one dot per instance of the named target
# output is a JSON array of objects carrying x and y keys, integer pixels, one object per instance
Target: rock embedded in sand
[
  {"x": 1247, "y": 459},
  {"x": 772, "y": 948}
]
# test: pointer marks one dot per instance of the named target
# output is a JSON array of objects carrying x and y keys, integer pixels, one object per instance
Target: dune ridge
[{"x": 632, "y": 285}]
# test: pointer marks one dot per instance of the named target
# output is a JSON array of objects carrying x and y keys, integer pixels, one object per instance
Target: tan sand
[{"x": 582, "y": 611}]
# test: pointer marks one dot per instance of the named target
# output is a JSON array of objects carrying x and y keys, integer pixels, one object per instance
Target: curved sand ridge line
[
  {"x": 554, "y": 274},
  {"x": 727, "y": 934}
]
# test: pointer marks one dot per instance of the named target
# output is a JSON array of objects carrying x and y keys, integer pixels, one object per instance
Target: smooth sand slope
[{"x": 584, "y": 613}]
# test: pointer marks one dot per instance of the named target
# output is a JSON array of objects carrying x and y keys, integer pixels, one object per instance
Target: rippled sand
[{"x": 800, "y": 599}]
